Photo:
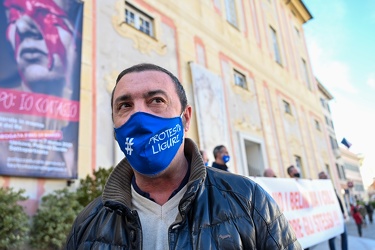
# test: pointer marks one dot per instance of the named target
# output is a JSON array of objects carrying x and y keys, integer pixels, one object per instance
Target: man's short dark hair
[
  {"x": 152, "y": 67},
  {"x": 217, "y": 150},
  {"x": 289, "y": 169},
  {"x": 321, "y": 174}
]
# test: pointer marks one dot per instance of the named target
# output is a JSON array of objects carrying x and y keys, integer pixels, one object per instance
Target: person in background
[
  {"x": 221, "y": 156},
  {"x": 352, "y": 206},
  {"x": 358, "y": 220},
  {"x": 293, "y": 172},
  {"x": 204, "y": 157},
  {"x": 268, "y": 172},
  {"x": 344, "y": 236},
  {"x": 362, "y": 210},
  {"x": 163, "y": 197},
  {"x": 370, "y": 211}
]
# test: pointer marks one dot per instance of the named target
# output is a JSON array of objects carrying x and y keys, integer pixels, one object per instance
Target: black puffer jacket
[{"x": 219, "y": 210}]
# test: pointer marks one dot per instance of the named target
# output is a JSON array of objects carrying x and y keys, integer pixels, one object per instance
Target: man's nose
[
  {"x": 140, "y": 107},
  {"x": 26, "y": 27}
]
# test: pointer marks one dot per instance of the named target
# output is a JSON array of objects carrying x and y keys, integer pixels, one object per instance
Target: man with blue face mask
[
  {"x": 293, "y": 172},
  {"x": 204, "y": 157},
  {"x": 221, "y": 156},
  {"x": 161, "y": 195}
]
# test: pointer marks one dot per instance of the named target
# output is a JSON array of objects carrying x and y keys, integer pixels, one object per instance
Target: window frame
[
  {"x": 333, "y": 143},
  {"x": 296, "y": 31},
  {"x": 327, "y": 121},
  {"x": 275, "y": 46},
  {"x": 298, "y": 161},
  {"x": 139, "y": 20},
  {"x": 287, "y": 107},
  {"x": 231, "y": 12},
  {"x": 317, "y": 125},
  {"x": 323, "y": 102},
  {"x": 306, "y": 73},
  {"x": 238, "y": 75}
]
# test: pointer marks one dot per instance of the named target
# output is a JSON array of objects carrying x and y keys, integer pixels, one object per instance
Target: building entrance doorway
[{"x": 252, "y": 156}]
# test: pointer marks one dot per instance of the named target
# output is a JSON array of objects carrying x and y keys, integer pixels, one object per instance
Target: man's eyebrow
[
  {"x": 148, "y": 94},
  {"x": 121, "y": 98},
  {"x": 154, "y": 92}
]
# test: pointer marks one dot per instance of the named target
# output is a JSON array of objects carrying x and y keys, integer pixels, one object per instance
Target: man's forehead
[
  {"x": 150, "y": 79},
  {"x": 147, "y": 79},
  {"x": 147, "y": 74}
]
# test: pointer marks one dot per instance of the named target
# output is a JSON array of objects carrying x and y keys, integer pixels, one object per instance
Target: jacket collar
[{"x": 118, "y": 186}]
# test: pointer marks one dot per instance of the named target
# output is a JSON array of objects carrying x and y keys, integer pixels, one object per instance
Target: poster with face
[{"x": 40, "y": 64}]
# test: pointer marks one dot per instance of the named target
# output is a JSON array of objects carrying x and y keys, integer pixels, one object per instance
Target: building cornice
[
  {"x": 324, "y": 90},
  {"x": 300, "y": 7}
]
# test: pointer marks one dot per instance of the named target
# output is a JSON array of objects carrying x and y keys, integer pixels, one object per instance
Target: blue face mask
[
  {"x": 150, "y": 142},
  {"x": 226, "y": 158}
]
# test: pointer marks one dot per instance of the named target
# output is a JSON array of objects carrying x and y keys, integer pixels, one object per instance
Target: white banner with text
[{"x": 311, "y": 207}]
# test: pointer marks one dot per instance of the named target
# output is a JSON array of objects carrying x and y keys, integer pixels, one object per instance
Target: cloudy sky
[{"x": 341, "y": 43}]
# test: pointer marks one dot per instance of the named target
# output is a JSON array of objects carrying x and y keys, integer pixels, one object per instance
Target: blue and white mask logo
[
  {"x": 129, "y": 143},
  {"x": 150, "y": 142}
]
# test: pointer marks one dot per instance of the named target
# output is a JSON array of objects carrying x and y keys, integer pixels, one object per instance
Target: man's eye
[
  {"x": 157, "y": 100},
  {"x": 123, "y": 106}
]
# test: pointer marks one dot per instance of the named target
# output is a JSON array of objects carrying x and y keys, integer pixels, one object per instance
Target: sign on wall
[{"x": 40, "y": 65}]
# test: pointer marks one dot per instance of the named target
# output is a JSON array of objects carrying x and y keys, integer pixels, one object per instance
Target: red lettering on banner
[
  {"x": 314, "y": 199},
  {"x": 308, "y": 225},
  {"x": 298, "y": 201},
  {"x": 327, "y": 197},
  {"x": 305, "y": 200},
  {"x": 323, "y": 221},
  {"x": 318, "y": 223},
  {"x": 330, "y": 221},
  {"x": 12, "y": 101},
  {"x": 287, "y": 201},
  {"x": 278, "y": 197},
  {"x": 296, "y": 225},
  {"x": 293, "y": 200},
  {"x": 336, "y": 218}
]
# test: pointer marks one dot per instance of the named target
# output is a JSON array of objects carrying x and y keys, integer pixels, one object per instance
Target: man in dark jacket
[
  {"x": 221, "y": 156},
  {"x": 161, "y": 196}
]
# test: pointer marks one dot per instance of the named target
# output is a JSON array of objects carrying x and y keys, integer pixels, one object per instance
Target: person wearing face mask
[
  {"x": 221, "y": 156},
  {"x": 204, "y": 157},
  {"x": 161, "y": 196},
  {"x": 293, "y": 172}
]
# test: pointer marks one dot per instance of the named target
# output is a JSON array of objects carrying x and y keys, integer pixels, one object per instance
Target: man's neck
[
  {"x": 160, "y": 188},
  {"x": 220, "y": 162}
]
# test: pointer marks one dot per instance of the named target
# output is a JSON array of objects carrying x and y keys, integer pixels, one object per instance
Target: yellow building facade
[
  {"x": 245, "y": 68},
  {"x": 352, "y": 163}
]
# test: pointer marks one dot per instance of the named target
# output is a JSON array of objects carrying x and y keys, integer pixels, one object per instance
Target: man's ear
[{"x": 186, "y": 118}]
